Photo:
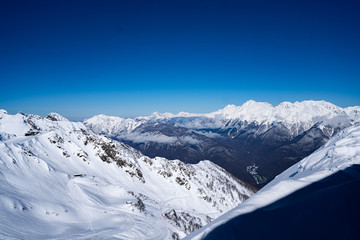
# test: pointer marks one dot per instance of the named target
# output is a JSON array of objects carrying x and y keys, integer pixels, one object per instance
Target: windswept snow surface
[
  {"x": 339, "y": 153},
  {"x": 60, "y": 180}
]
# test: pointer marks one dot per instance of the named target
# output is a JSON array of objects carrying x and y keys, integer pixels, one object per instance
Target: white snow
[
  {"x": 57, "y": 183},
  {"x": 338, "y": 153},
  {"x": 297, "y": 117},
  {"x": 112, "y": 124}
]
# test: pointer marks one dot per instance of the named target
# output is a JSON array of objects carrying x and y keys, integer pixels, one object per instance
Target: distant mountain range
[
  {"x": 316, "y": 198},
  {"x": 59, "y": 180},
  {"x": 255, "y": 141}
]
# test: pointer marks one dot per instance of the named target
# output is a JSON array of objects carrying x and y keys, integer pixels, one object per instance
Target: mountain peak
[
  {"x": 254, "y": 103},
  {"x": 158, "y": 115},
  {"x": 3, "y": 112},
  {"x": 56, "y": 117}
]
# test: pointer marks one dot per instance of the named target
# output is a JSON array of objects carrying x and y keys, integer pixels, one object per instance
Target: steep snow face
[
  {"x": 339, "y": 153},
  {"x": 59, "y": 180}
]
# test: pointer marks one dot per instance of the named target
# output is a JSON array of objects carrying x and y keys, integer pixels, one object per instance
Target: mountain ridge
[
  {"x": 61, "y": 180},
  {"x": 256, "y": 111}
]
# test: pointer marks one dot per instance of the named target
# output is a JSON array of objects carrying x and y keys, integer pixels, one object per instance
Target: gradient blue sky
[{"x": 130, "y": 58}]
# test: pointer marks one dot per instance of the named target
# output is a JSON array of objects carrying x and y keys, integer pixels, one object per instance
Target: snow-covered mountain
[
  {"x": 317, "y": 197},
  {"x": 60, "y": 180},
  {"x": 297, "y": 117},
  {"x": 255, "y": 141}
]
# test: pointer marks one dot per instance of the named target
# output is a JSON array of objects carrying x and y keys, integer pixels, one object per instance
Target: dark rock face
[{"x": 253, "y": 153}]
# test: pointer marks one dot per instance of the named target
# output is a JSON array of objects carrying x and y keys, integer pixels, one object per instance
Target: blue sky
[{"x": 130, "y": 58}]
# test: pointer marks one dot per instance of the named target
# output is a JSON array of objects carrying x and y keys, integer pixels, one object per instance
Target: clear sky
[{"x": 130, "y": 58}]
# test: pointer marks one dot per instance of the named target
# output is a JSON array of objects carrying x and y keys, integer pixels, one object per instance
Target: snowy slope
[
  {"x": 61, "y": 181},
  {"x": 339, "y": 153}
]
